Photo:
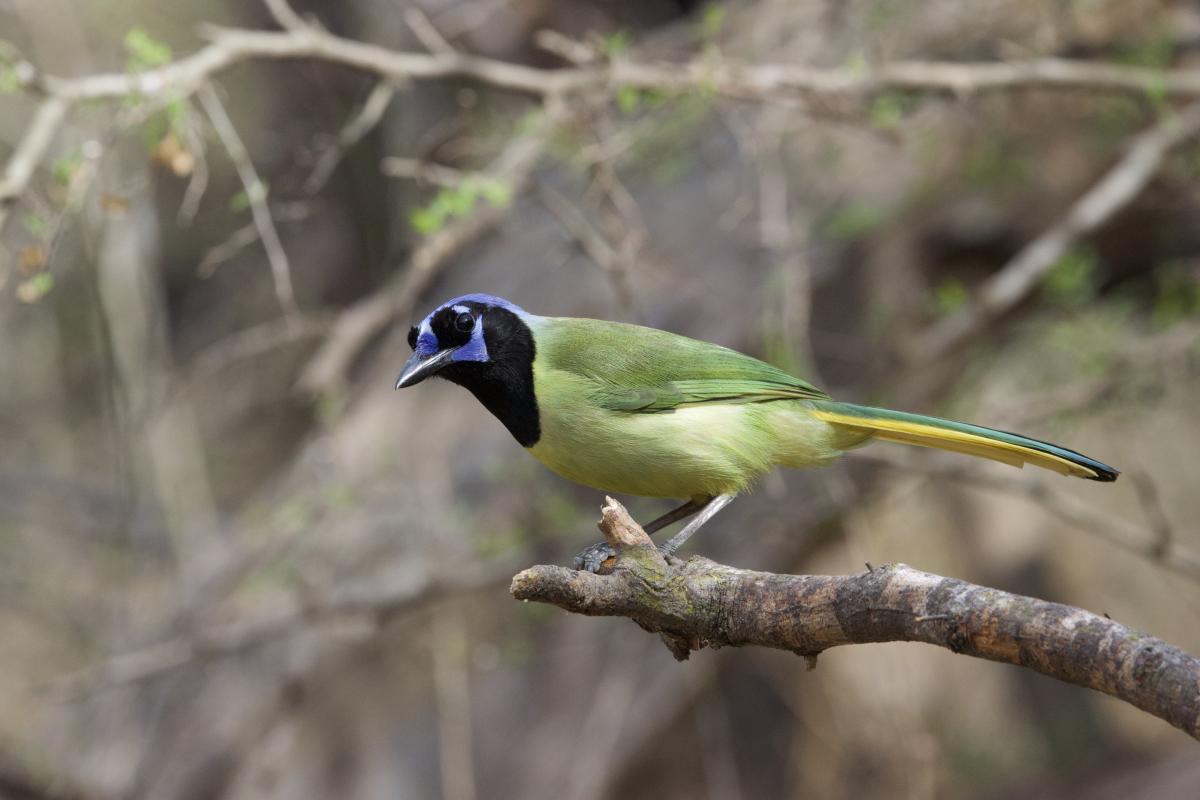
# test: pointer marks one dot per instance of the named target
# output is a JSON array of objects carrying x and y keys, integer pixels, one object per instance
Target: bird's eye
[
  {"x": 412, "y": 337},
  {"x": 464, "y": 322}
]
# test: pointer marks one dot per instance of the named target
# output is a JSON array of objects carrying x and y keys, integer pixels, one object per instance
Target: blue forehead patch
[
  {"x": 486, "y": 300},
  {"x": 476, "y": 348}
]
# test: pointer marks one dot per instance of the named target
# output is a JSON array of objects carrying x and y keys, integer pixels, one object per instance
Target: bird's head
[
  {"x": 485, "y": 344},
  {"x": 467, "y": 338}
]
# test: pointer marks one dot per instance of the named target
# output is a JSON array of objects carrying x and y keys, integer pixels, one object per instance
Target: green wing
[{"x": 636, "y": 369}]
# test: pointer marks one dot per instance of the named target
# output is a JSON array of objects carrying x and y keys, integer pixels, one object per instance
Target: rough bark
[{"x": 700, "y": 603}]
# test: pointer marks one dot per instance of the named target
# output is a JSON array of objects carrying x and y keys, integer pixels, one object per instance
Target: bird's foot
[
  {"x": 596, "y": 556},
  {"x": 593, "y": 557}
]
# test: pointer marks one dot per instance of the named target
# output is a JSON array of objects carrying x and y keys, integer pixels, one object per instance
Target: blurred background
[{"x": 234, "y": 563}]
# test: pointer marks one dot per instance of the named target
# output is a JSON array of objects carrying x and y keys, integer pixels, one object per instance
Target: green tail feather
[{"x": 962, "y": 437}]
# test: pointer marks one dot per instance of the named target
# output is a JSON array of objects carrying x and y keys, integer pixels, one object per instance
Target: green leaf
[
  {"x": 34, "y": 224},
  {"x": 496, "y": 192},
  {"x": 64, "y": 168},
  {"x": 950, "y": 295},
  {"x": 241, "y": 200},
  {"x": 1155, "y": 51},
  {"x": 34, "y": 289},
  {"x": 852, "y": 221},
  {"x": 615, "y": 43},
  {"x": 10, "y": 81},
  {"x": 712, "y": 21},
  {"x": 1178, "y": 293},
  {"x": 145, "y": 52},
  {"x": 628, "y": 99},
  {"x": 1071, "y": 281},
  {"x": 996, "y": 164},
  {"x": 425, "y": 221},
  {"x": 888, "y": 110},
  {"x": 857, "y": 65}
]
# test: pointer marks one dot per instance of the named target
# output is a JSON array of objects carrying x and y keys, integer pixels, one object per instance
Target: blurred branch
[
  {"x": 1139, "y": 358},
  {"x": 558, "y": 88},
  {"x": 414, "y": 169},
  {"x": 256, "y": 196},
  {"x": 701, "y": 603},
  {"x": 615, "y": 265},
  {"x": 362, "y": 123},
  {"x": 1159, "y": 548},
  {"x": 257, "y": 340},
  {"x": 347, "y": 603},
  {"x": 358, "y": 324},
  {"x": 301, "y": 39},
  {"x": 287, "y": 18},
  {"x": 245, "y": 236},
  {"x": 427, "y": 32},
  {"x": 452, "y": 694},
  {"x": 1018, "y": 279},
  {"x": 30, "y": 151},
  {"x": 19, "y": 783}
]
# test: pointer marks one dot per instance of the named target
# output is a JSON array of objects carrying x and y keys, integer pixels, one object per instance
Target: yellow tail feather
[{"x": 925, "y": 435}]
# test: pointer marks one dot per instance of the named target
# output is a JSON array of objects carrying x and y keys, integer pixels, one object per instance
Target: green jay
[{"x": 634, "y": 410}]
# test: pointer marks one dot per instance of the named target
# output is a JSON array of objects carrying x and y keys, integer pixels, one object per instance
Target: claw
[{"x": 592, "y": 557}]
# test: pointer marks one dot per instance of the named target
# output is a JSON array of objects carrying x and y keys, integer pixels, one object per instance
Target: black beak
[{"x": 421, "y": 367}]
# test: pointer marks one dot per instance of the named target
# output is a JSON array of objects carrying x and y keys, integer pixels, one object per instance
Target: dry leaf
[
  {"x": 114, "y": 204},
  {"x": 34, "y": 289},
  {"x": 32, "y": 258},
  {"x": 171, "y": 153}
]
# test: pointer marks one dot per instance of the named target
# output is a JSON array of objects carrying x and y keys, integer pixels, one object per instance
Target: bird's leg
[
  {"x": 592, "y": 556},
  {"x": 706, "y": 513},
  {"x": 674, "y": 515}
]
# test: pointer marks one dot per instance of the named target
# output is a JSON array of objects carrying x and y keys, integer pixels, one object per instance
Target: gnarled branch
[{"x": 698, "y": 602}]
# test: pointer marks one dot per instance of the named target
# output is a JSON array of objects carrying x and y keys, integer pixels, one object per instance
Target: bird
[{"x": 634, "y": 410}]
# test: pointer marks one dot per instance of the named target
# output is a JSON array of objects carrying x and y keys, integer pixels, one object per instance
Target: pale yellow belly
[{"x": 689, "y": 452}]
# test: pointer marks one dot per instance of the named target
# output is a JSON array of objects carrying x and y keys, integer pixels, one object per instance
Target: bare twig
[
  {"x": 1022, "y": 275},
  {"x": 357, "y": 325},
  {"x": 1147, "y": 494},
  {"x": 351, "y": 603},
  {"x": 261, "y": 339},
  {"x": 462, "y": 18},
  {"x": 427, "y": 32},
  {"x": 1159, "y": 548},
  {"x": 414, "y": 169},
  {"x": 256, "y": 195},
  {"x": 765, "y": 82},
  {"x": 287, "y": 18},
  {"x": 614, "y": 264},
  {"x": 230, "y": 46},
  {"x": 245, "y": 236},
  {"x": 30, "y": 151},
  {"x": 1135, "y": 363},
  {"x": 198, "y": 183},
  {"x": 701, "y": 603},
  {"x": 302, "y": 40},
  {"x": 362, "y": 123}
]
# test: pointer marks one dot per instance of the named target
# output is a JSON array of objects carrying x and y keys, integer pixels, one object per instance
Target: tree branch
[
  {"x": 359, "y": 323},
  {"x": 699, "y": 602},
  {"x": 1021, "y": 276},
  {"x": 256, "y": 197}
]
